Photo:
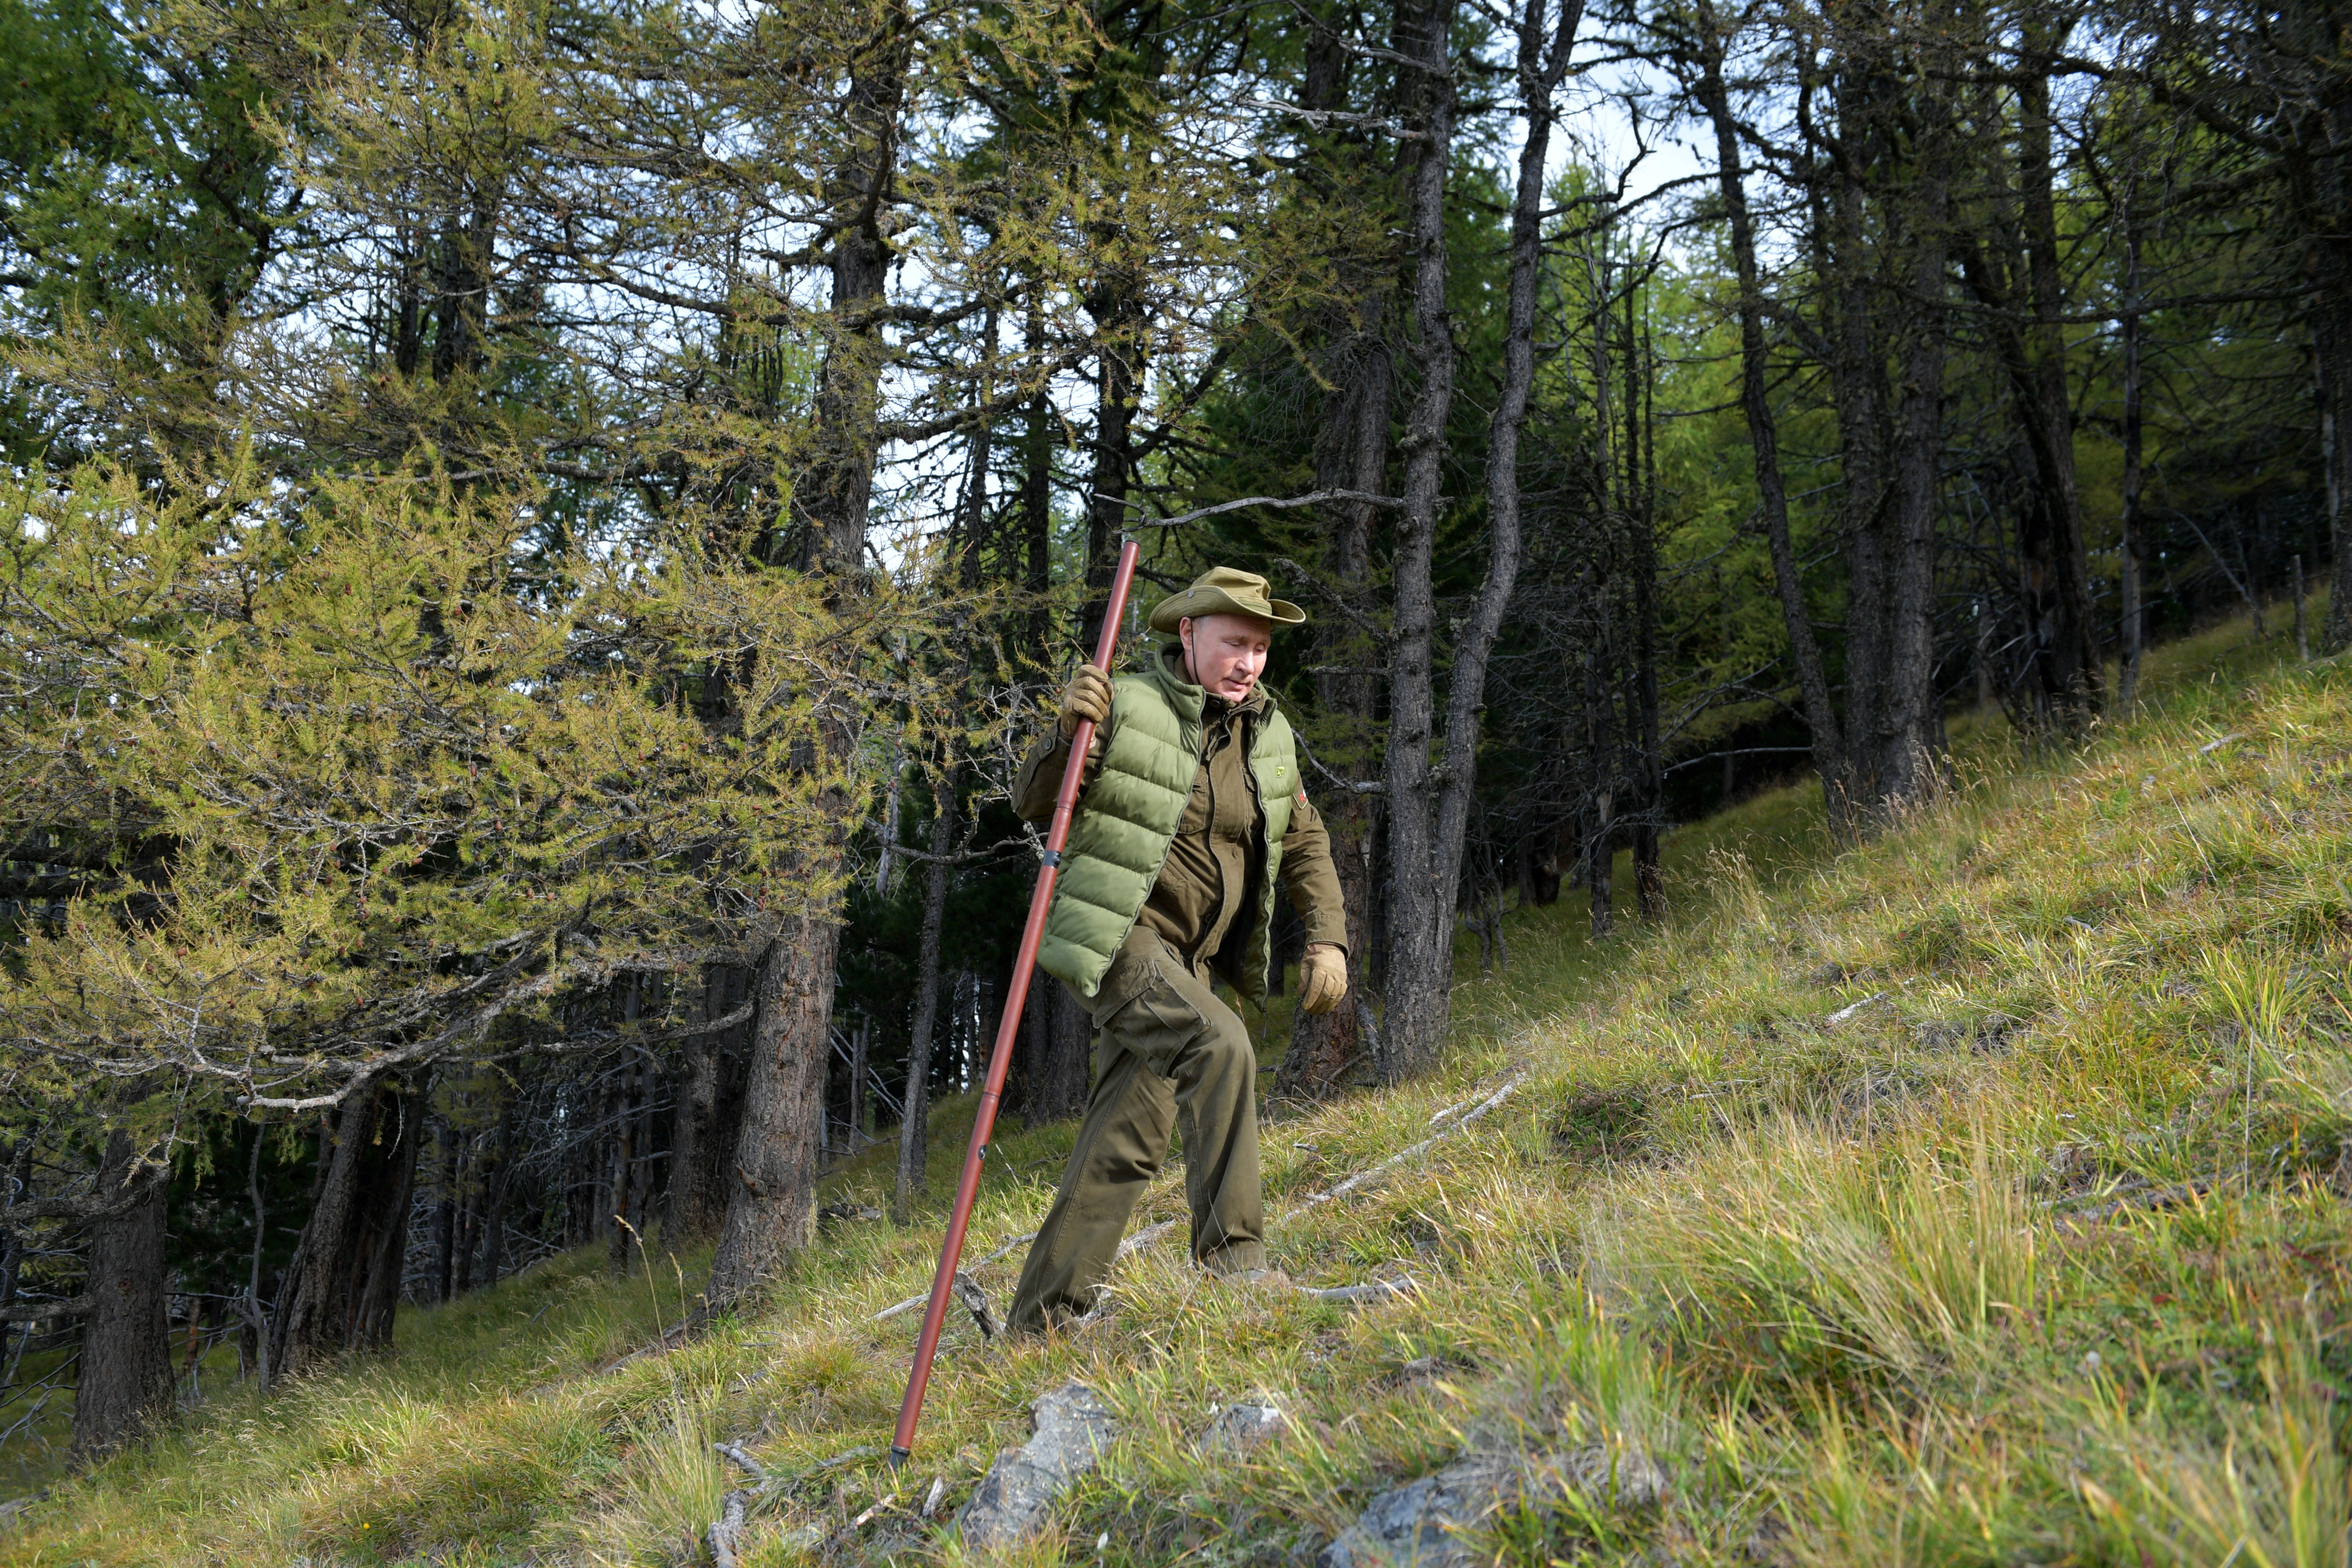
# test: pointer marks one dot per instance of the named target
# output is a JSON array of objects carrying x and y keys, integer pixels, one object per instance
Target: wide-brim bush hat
[{"x": 1223, "y": 591}]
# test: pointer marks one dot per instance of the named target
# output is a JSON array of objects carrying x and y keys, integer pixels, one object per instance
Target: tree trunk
[
  {"x": 123, "y": 1384},
  {"x": 621, "y": 1251},
  {"x": 857, "y": 1070},
  {"x": 1037, "y": 498},
  {"x": 1117, "y": 306},
  {"x": 1351, "y": 453},
  {"x": 772, "y": 1200},
  {"x": 343, "y": 1282},
  {"x": 1763, "y": 433},
  {"x": 1641, "y": 462},
  {"x": 1055, "y": 1030},
  {"x": 497, "y": 1191},
  {"x": 620, "y": 1246},
  {"x": 1419, "y": 971},
  {"x": 913, "y": 1127},
  {"x": 1068, "y": 1071},
  {"x": 2135, "y": 526},
  {"x": 1856, "y": 363},
  {"x": 380, "y": 1249},
  {"x": 1904, "y": 764},
  {"x": 772, "y": 1212},
  {"x": 1542, "y": 61},
  {"x": 445, "y": 1213},
  {"x": 1600, "y": 751},
  {"x": 2331, "y": 343},
  {"x": 699, "y": 1146},
  {"x": 834, "y": 490},
  {"x": 2082, "y": 673}
]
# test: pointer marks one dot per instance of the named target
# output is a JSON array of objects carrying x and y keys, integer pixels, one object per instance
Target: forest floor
[{"x": 1974, "y": 1195}]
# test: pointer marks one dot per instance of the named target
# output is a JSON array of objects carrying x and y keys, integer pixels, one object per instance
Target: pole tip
[{"x": 898, "y": 1455}]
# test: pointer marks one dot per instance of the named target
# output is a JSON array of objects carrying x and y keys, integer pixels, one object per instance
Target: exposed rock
[
  {"x": 846, "y": 1209},
  {"x": 1241, "y": 1426},
  {"x": 1421, "y": 1525},
  {"x": 1366, "y": 1295},
  {"x": 1070, "y": 1426}
]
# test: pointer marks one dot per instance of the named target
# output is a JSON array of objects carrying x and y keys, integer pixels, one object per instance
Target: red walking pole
[{"x": 1007, "y": 1027}]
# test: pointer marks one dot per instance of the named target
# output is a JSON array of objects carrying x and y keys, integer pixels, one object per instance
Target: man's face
[{"x": 1226, "y": 653}]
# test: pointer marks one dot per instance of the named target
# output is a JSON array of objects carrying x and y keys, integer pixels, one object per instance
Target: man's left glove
[{"x": 1322, "y": 977}]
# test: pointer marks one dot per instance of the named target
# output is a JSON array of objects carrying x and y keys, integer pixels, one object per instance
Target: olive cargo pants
[{"x": 1167, "y": 1054}]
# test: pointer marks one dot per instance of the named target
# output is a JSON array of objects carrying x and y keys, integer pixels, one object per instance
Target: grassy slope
[{"x": 2038, "y": 1258}]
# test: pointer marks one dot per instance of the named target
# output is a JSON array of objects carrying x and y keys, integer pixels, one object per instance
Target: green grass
[{"x": 2038, "y": 1258}]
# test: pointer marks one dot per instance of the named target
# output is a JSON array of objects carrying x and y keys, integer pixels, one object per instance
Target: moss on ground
[{"x": 1976, "y": 1195}]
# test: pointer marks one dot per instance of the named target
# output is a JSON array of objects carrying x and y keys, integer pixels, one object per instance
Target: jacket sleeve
[
  {"x": 1040, "y": 778},
  {"x": 1308, "y": 874}
]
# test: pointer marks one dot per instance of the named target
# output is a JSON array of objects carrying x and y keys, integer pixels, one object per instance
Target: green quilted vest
[{"x": 1130, "y": 814}]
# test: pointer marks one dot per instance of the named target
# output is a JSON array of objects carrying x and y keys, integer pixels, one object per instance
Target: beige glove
[
  {"x": 1322, "y": 977},
  {"x": 1088, "y": 697}
]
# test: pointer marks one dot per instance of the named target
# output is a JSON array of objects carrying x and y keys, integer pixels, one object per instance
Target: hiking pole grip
[{"x": 1008, "y": 1028}]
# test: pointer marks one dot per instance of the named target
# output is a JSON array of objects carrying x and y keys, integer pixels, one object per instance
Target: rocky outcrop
[
  {"x": 1069, "y": 1428},
  {"x": 1422, "y": 1524},
  {"x": 1237, "y": 1427}
]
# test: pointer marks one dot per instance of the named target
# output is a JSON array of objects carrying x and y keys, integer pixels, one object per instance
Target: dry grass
[{"x": 2038, "y": 1258}]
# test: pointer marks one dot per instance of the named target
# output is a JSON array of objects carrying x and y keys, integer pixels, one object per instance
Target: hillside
[{"x": 1974, "y": 1195}]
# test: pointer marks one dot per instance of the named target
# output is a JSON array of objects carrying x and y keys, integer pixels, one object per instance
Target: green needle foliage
[{"x": 382, "y": 778}]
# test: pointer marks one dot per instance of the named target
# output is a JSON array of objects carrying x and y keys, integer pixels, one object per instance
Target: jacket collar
[{"x": 1194, "y": 702}]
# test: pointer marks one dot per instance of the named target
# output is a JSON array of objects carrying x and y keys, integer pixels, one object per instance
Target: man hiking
[{"x": 1191, "y": 809}]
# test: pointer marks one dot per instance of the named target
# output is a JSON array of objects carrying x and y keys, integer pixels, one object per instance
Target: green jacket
[{"x": 1131, "y": 810}]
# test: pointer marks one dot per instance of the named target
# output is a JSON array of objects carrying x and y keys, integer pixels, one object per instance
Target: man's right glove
[
  {"x": 1088, "y": 697},
  {"x": 1322, "y": 976}
]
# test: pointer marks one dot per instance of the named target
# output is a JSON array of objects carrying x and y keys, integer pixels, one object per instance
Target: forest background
[{"x": 537, "y": 536}]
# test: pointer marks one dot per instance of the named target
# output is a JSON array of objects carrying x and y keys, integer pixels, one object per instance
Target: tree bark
[
  {"x": 123, "y": 1384},
  {"x": 913, "y": 1127},
  {"x": 1763, "y": 433},
  {"x": 381, "y": 1239},
  {"x": 2331, "y": 341},
  {"x": 2081, "y": 675},
  {"x": 1419, "y": 971},
  {"x": 445, "y": 1213},
  {"x": 1904, "y": 764},
  {"x": 1601, "y": 753},
  {"x": 835, "y": 491},
  {"x": 343, "y": 1284},
  {"x": 699, "y": 1146},
  {"x": 620, "y": 1246},
  {"x": 771, "y": 1211},
  {"x": 1844, "y": 255},
  {"x": 1117, "y": 307},
  {"x": 772, "y": 1201},
  {"x": 1641, "y": 517},
  {"x": 1035, "y": 503},
  {"x": 1055, "y": 1030},
  {"x": 1351, "y": 453},
  {"x": 2135, "y": 526},
  {"x": 1542, "y": 60},
  {"x": 498, "y": 1193}
]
